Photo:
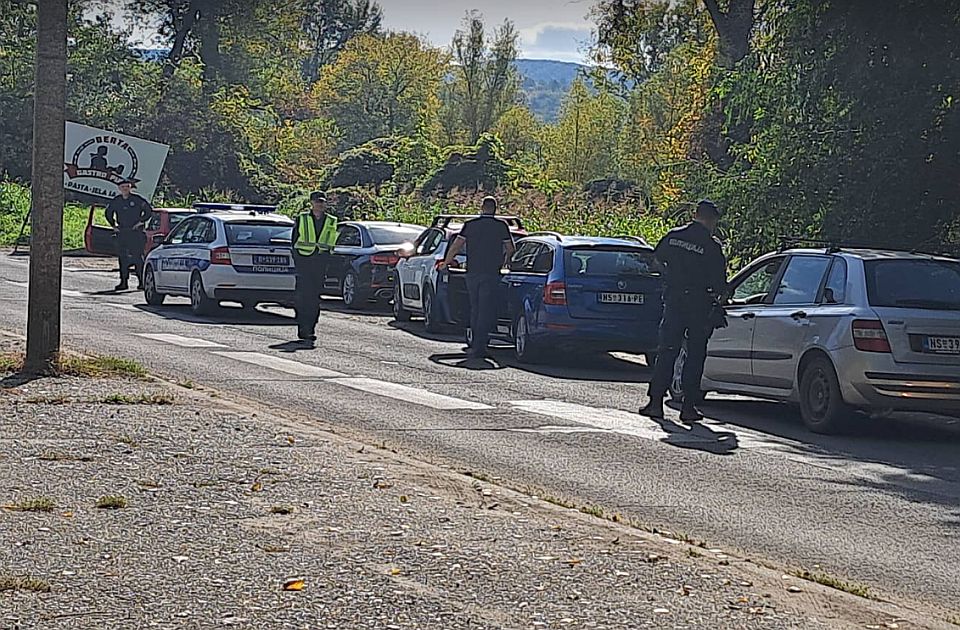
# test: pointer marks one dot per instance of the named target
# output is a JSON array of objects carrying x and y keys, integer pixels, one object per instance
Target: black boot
[
  {"x": 653, "y": 408},
  {"x": 689, "y": 413}
]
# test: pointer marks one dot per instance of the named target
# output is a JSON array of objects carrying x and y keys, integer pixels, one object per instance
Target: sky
[{"x": 549, "y": 29}]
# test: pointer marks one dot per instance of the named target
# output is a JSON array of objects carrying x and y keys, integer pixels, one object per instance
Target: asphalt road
[{"x": 878, "y": 507}]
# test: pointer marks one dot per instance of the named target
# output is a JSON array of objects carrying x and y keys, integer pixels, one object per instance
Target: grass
[
  {"x": 8, "y": 583},
  {"x": 14, "y": 203},
  {"x": 954, "y": 620},
  {"x": 128, "y": 440},
  {"x": 139, "y": 399},
  {"x": 37, "y": 504},
  {"x": 828, "y": 580},
  {"x": 56, "y": 456},
  {"x": 80, "y": 366},
  {"x": 111, "y": 502},
  {"x": 283, "y": 510},
  {"x": 593, "y": 510}
]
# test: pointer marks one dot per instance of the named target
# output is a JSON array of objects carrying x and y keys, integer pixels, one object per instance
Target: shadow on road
[
  {"x": 297, "y": 345},
  {"x": 220, "y": 316},
  {"x": 698, "y": 437},
  {"x": 17, "y": 379},
  {"x": 461, "y": 360}
]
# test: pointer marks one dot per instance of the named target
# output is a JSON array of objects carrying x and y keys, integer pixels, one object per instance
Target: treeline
[{"x": 808, "y": 118}]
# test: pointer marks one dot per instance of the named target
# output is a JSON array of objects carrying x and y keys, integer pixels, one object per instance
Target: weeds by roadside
[
  {"x": 828, "y": 580},
  {"x": 87, "y": 367},
  {"x": 111, "y": 502},
  {"x": 139, "y": 399},
  {"x": 37, "y": 504}
]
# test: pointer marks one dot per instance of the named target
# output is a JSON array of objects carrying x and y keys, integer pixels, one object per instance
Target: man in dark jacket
[
  {"x": 127, "y": 214},
  {"x": 695, "y": 279}
]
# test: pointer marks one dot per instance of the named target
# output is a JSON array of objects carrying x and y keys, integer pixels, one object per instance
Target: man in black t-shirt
[
  {"x": 489, "y": 247},
  {"x": 127, "y": 214}
]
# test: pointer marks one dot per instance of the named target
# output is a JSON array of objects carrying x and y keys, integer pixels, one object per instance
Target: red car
[{"x": 99, "y": 239}]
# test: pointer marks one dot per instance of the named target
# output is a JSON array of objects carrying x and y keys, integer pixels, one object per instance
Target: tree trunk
[
  {"x": 49, "y": 113},
  {"x": 186, "y": 22},
  {"x": 733, "y": 29},
  {"x": 208, "y": 27}
]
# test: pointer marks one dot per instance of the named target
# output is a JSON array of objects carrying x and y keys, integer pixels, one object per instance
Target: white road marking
[
  {"x": 281, "y": 365},
  {"x": 408, "y": 394},
  {"x": 183, "y": 342}
]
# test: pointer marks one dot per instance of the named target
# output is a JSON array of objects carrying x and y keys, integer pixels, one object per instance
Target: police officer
[
  {"x": 695, "y": 279},
  {"x": 127, "y": 214},
  {"x": 314, "y": 236}
]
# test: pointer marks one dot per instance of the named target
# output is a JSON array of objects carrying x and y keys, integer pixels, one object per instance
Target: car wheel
[
  {"x": 399, "y": 312},
  {"x": 200, "y": 304},
  {"x": 430, "y": 311},
  {"x": 353, "y": 296},
  {"x": 150, "y": 293},
  {"x": 525, "y": 349},
  {"x": 821, "y": 403}
]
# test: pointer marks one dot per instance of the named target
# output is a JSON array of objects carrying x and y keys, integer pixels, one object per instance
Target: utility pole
[{"x": 46, "y": 229}]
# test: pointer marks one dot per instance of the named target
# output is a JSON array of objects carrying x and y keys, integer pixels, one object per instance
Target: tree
[
  {"x": 329, "y": 24},
  {"x": 583, "y": 144},
  {"x": 733, "y": 28},
  {"x": 382, "y": 86},
  {"x": 484, "y": 83},
  {"x": 43, "y": 310}
]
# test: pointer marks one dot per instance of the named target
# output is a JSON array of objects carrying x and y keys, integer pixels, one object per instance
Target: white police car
[{"x": 225, "y": 253}]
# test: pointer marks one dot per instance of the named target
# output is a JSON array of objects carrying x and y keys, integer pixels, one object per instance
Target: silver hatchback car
[{"x": 837, "y": 329}]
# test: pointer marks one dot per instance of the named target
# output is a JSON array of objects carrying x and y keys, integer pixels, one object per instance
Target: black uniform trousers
[
  {"x": 130, "y": 244},
  {"x": 311, "y": 271},
  {"x": 484, "y": 292},
  {"x": 687, "y": 316}
]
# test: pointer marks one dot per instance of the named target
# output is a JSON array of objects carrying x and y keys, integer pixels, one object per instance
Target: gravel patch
[{"x": 196, "y": 513}]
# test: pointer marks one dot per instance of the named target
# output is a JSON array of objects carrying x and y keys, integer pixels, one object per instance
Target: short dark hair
[
  {"x": 489, "y": 203},
  {"x": 706, "y": 207},
  {"x": 318, "y": 195}
]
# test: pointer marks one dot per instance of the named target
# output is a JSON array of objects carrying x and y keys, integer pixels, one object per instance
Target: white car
[
  {"x": 836, "y": 329},
  {"x": 225, "y": 253}
]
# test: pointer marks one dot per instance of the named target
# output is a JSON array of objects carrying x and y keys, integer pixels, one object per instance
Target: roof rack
[
  {"x": 555, "y": 235},
  {"x": 444, "y": 220},
  {"x": 204, "y": 208},
  {"x": 789, "y": 242}
]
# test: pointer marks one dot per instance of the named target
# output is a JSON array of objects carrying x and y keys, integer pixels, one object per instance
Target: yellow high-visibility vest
[{"x": 309, "y": 243}]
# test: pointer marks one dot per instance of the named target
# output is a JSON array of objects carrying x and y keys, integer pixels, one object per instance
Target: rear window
[
  {"x": 609, "y": 262},
  {"x": 924, "y": 284},
  {"x": 394, "y": 235},
  {"x": 257, "y": 233}
]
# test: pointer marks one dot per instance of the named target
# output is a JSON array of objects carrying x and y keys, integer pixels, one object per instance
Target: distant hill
[{"x": 545, "y": 82}]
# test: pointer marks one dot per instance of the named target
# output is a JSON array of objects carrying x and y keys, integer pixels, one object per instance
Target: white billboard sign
[{"x": 95, "y": 161}]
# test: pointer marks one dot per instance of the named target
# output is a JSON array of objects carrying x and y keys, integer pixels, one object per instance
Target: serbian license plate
[
  {"x": 942, "y": 345},
  {"x": 260, "y": 259},
  {"x": 620, "y": 298}
]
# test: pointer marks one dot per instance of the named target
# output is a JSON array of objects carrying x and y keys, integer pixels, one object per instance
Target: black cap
[
  {"x": 705, "y": 206},
  {"x": 126, "y": 181},
  {"x": 318, "y": 195}
]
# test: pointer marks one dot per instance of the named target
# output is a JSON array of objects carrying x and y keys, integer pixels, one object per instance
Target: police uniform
[
  {"x": 128, "y": 216},
  {"x": 695, "y": 277},
  {"x": 313, "y": 240}
]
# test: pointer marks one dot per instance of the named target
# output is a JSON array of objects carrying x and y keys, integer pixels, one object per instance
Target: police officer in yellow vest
[{"x": 314, "y": 237}]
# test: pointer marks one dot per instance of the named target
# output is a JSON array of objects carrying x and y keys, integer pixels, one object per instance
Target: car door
[
  {"x": 527, "y": 276},
  {"x": 729, "y": 353},
  {"x": 416, "y": 267},
  {"x": 349, "y": 245},
  {"x": 783, "y": 326},
  {"x": 170, "y": 257},
  {"x": 184, "y": 254}
]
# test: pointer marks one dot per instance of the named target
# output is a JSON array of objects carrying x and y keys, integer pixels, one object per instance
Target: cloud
[{"x": 564, "y": 41}]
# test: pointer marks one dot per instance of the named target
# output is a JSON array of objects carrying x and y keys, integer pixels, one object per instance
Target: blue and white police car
[{"x": 224, "y": 253}]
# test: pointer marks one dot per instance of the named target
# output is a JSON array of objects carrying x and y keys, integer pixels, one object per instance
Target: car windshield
[
  {"x": 257, "y": 232},
  {"x": 924, "y": 284},
  {"x": 592, "y": 261},
  {"x": 394, "y": 234},
  {"x": 177, "y": 217}
]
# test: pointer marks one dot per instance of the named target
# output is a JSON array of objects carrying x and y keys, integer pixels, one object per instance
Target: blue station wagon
[{"x": 601, "y": 294}]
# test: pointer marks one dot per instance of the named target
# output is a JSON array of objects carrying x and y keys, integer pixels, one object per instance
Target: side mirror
[{"x": 158, "y": 239}]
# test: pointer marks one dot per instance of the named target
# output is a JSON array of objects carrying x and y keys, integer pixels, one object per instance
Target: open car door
[{"x": 99, "y": 240}]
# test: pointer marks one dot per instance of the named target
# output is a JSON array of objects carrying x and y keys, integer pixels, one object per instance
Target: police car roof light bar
[
  {"x": 203, "y": 208},
  {"x": 444, "y": 220}
]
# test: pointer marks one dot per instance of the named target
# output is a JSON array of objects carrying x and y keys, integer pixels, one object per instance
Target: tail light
[
  {"x": 869, "y": 336},
  {"x": 555, "y": 293},
  {"x": 220, "y": 256},
  {"x": 385, "y": 259}
]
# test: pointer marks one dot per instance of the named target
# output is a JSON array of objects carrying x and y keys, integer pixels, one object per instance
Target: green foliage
[
  {"x": 14, "y": 206},
  {"x": 478, "y": 168}
]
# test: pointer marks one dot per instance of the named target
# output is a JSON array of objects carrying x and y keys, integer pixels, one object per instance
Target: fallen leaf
[
  {"x": 403, "y": 498},
  {"x": 257, "y": 487},
  {"x": 295, "y": 584},
  {"x": 290, "y": 440},
  {"x": 395, "y": 571},
  {"x": 68, "y": 515},
  {"x": 574, "y": 561}
]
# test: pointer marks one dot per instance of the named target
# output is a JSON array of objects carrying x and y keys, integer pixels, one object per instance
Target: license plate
[
  {"x": 620, "y": 298},
  {"x": 942, "y": 345},
  {"x": 259, "y": 259}
]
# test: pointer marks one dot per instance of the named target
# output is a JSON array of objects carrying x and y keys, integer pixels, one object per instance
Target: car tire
[
  {"x": 353, "y": 296},
  {"x": 200, "y": 304},
  {"x": 400, "y": 313},
  {"x": 430, "y": 321},
  {"x": 525, "y": 349},
  {"x": 150, "y": 293},
  {"x": 821, "y": 403}
]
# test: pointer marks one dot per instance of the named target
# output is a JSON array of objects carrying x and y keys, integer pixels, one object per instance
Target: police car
[{"x": 224, "y": 253}]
